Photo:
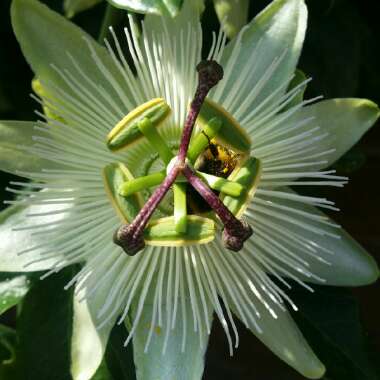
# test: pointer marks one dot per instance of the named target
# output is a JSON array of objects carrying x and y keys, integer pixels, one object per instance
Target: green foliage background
[{"x": 341, "y": 54}]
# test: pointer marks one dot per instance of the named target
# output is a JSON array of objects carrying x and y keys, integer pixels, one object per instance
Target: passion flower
[{"x": 252, "y": 139}]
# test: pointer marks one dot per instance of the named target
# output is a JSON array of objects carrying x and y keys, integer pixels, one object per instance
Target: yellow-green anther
[
  {"x": 163, "y": 232},
  {"x": 127, "y": 131},
  {"x": 247, "y": 174},
  {"x": 180, "y": 208},
  {"x": 231, "y": 135},
  {"x": 223, "y": 185},
  {"x": 137, "y": 184},
  {"x": 149, "y": 130},
  {"x": 126, "y": 207},
  {"x": 200, "y": 142}
]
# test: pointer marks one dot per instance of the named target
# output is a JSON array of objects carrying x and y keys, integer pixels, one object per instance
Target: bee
[{"x": 217, "y": 159}]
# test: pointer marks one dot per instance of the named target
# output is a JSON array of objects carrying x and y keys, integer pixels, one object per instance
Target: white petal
[
  {"x": 88, "y": 343},
  {"x": 262, "y": 57},
  {"x": 283, "y": 337},
  {"x": 333, "y": 256},
  {"x": 15, "y": 242}
]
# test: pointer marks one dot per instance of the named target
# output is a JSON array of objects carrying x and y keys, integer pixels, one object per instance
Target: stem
[
  {"x": 209, "y": 74},
  {"x": 235, "y": 232}
]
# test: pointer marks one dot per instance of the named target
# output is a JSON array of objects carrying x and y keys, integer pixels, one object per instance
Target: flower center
[{"x": 211, "y": 176}]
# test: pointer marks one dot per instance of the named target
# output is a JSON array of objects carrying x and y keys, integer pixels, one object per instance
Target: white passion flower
[{"x": 251, "y": 120}]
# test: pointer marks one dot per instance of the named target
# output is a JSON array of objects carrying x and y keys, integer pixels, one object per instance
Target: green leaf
[
  {"x": 102, "y": 373},
  {"x": 173, "y": 364},
  {"x": 278, "y": 31},
  {"x": 48, "y": 39},
  {"x": 72, "y": 7},
  {"x": 13, "y": 288},
  {"x": 44, "y": 329},
  {"x": 7, "y": 343},
  {"x": 158, "y": 7},
  {"x": 13, "y": 242},
  {"x": 232, "y": 15},
  {"x": 119, "y": 359},
  {"x": 330, "y": 320},
  {"x": 15, "y": 138},
  {"x": 8, "y": 369},
  {"x": 345, "y": 120}
]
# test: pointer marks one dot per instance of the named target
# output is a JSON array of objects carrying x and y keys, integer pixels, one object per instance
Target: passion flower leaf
[
  {"x": 44, "y": 329},
  {"x": 8, "y": 340},
  {"x": 158, "y": 7},
  {"x": 325, "y": 317},
  {"x": 119, "y": 359},
  {"x": 163, "y": 231},
  {"x": 127, "y": 131},
  {"x": 114, "y": 176},
  {"x": 232, "y": 15},
  {"x": 230, "y": 134},
  {"x": 248, "y": 175},
  {"x": 13, "y": 288}
]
